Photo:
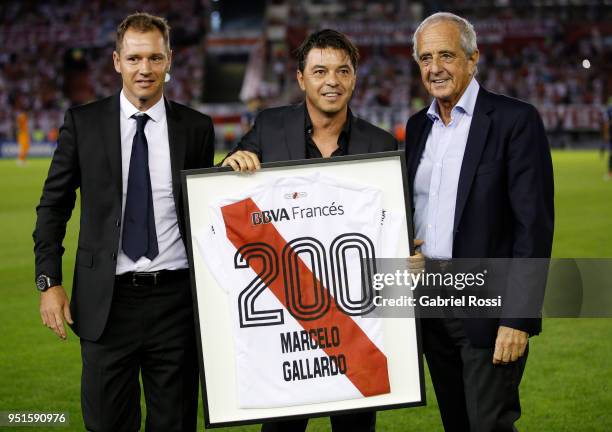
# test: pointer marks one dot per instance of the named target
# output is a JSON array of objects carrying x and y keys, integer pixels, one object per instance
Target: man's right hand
[
  {"x": 243, "y": 161},
  {"x": 54, "y": 309}
]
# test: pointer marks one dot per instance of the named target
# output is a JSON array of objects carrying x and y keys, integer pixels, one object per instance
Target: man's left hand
[{"x": 510, "y": 345}]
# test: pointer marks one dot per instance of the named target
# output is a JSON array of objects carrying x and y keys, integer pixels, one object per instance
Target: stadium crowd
[
  {"x": 56, "y": 54},
  {"x": 553, "y": 57}
]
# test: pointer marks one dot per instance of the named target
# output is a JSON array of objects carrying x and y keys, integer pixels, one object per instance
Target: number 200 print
[{"x": 290, "y": 269}]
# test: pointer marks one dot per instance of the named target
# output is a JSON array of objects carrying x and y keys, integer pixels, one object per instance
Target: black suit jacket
[
  {"x": 88, "y": 156},
  {"x": 278, "y": 135},
  {"x": 505, "y": 194}
]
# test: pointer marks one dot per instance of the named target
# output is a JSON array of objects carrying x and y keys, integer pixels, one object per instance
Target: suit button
[
  {"x": 118, "y": 223},
  {"x": 114, "y": 256}
]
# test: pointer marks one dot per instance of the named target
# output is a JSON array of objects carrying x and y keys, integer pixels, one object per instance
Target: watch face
[{"x": 41, "y": 283}]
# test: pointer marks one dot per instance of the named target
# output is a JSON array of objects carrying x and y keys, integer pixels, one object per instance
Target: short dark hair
[
  {"x": 326, "y": 39},
  {"x": 142, "y": 22}
]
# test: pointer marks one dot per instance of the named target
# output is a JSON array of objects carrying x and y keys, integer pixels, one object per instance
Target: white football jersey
[{"x": 291, "y": 254}]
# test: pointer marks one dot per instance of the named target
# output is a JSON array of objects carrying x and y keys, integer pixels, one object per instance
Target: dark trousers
[
  {"x": 150, "y": 331},
  {"x": 358, "y": 422},
  {"x": 473, "y": 394}
]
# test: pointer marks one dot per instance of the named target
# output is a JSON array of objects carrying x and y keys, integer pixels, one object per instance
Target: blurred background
[{"x": 233, "y": 58}]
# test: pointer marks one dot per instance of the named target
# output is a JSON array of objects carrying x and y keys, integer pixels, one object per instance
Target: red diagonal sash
[{"x": 366, "y": 364}]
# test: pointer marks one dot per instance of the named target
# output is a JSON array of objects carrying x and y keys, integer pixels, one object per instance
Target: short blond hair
[{"x": 142, "y": 22}]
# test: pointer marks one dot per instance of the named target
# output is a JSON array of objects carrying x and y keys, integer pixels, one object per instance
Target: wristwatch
[{"x": 44, "y": 282}]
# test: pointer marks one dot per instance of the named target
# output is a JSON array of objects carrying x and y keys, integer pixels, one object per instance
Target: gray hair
[{"x": 466, "y": 31}]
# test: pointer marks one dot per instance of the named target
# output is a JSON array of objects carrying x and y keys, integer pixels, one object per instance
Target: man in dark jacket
[
  {"x": 321, "y": 126},
  {"x": 131, "y": 300},
  {"x": 480, "y": 171}
]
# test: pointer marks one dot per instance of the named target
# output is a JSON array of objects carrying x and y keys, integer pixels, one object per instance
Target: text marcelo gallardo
[{"x": 316, "y": 367}]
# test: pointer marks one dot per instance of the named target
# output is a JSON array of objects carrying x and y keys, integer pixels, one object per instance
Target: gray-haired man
[{"x": 482, "y": 187}]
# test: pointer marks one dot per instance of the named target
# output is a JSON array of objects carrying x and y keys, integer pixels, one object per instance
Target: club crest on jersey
[
  {"x": 269, "y": 216},
  {"x": 295, "y": 195}
]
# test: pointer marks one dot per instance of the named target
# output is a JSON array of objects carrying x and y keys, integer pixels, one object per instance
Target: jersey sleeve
[
  {"x": 392, "y": 223},
  {"x": 212, "y": 247}
]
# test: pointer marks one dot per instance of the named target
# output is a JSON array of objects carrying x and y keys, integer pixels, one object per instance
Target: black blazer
[
  {"x": 88, "y": 156},
  {"x": 505, "y": 194},
  {"x": 278, "y": 135}
]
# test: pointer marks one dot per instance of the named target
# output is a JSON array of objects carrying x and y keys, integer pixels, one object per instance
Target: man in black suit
[
  {"x": 322, "y": 126},
  {"x": 482, "y": 186},
  {"x": 131, "y": 301}
]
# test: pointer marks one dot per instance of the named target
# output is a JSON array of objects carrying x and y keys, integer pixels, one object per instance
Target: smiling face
[
  {"x": 143, "y": 62},
  {"x": 446, "y": 70},
  {"x": 328, "y": 80}
]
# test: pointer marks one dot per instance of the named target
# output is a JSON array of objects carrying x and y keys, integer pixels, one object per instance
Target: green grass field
[{"x": 567, "y": 385}]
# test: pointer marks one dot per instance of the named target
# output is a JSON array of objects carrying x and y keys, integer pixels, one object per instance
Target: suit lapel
[
  {"x": 177, "y": 140},
  {"x": 111, "y": 139},
  {"x": 359, "y": 142},
  {"x": 294, "y": 132},
  {"x": 473, "y": 150}
]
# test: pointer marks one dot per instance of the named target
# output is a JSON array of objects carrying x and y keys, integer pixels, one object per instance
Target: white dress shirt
[
  {"x": 172, "y": 254},
  {"x": 437, "y": 177}
]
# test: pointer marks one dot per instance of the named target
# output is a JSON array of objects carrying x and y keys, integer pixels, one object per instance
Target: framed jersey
[{"x": 282, "y": 265}]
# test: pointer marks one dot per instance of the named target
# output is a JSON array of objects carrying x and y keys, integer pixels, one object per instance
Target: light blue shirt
[{"x": 437, "y": 177}]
